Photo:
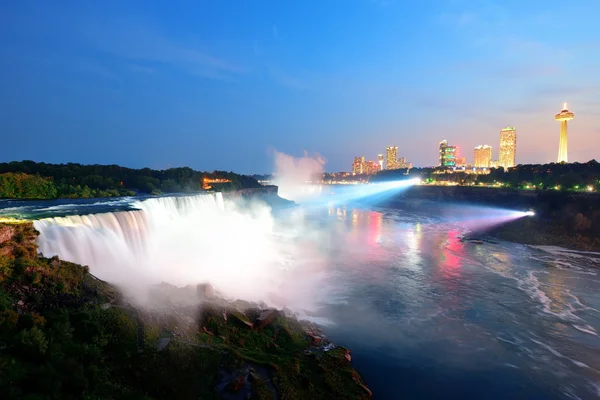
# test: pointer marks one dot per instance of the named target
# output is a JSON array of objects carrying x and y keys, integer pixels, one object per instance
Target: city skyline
[{"x": 219, "y": 86}]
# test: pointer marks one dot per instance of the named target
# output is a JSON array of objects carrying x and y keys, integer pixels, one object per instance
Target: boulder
[
  {"x": 241, "y": 318},
  {"x": 241, "y": 305},
  {"x": 163, "y": 343},
  {"x": 266, "y": 317},
  {"x": 205, "y": 290}
]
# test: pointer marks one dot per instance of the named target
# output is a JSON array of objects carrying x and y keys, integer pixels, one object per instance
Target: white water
[{"x": 187, "y": 240}]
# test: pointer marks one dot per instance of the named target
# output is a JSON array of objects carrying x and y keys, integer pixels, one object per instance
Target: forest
[{"x": 32, "y": 180}]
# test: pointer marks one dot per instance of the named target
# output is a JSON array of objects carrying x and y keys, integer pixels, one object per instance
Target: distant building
[
  {"x": 460, "y": 161},
  {"x": 562, "y": 117},
  {"x": 494, "y": 164},
  {"x": 508, "y": 147},
  {"x": 482, "y": 156},
  {"x": 390, "y": 154},
  {"x": 371, "y": 167},
  {"x": 447, "y": 155},
  {"x": 380, "y": 160},
  {"x": 357, "y": 165},
  {"x": 402, "y": 163}
]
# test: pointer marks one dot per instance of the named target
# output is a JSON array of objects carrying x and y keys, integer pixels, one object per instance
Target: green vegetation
[
  {"x": 19, "y": 185},
  {"x": 64, "y": 334},
  {"x": 577, "y": 177},
  {"x": 31, "y": 180}
]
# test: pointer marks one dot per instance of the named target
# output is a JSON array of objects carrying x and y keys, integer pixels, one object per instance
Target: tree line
[
  {"x": 554, "y": 176},
  {"x": 32, "y": 180}
]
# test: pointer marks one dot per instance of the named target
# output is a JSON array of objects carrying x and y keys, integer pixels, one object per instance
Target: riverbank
[
  {"x": 63, "y": 331},
  {"x": 566, "y": 219}
]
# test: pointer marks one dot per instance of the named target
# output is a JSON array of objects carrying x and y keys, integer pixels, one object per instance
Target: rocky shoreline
[{"x": 183, "y": 343}]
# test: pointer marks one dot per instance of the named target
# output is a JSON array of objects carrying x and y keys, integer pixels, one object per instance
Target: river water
[{"x": 426, "y": 315}]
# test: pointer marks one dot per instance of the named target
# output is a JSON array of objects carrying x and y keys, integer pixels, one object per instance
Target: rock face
[
  {"x": 6, "y": 233},
  {"x": 205, "y": 291},
  {"x": 266, "y": 317}
]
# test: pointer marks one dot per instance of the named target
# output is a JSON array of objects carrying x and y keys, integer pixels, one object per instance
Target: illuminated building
[
  {"x": 482, "y": 156},
  {"x": 357, "y": 165},
  {"x": 371, "y": 167},
  {"x": 460, "y": 161},
  {"x": 207, "y": 181},
  {"x": 508, "y": 147},
  {"x": 494, "y": 164},
  {"x": 380, "y": 160},
  {"x": 562, "y": 117},
  {"x": 391, "y": 153},
  {"x": 447, "y": 155}
]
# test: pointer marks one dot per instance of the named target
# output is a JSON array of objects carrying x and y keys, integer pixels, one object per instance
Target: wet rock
[
  {"x": 242, "y": 319},
  {"x": 205, "y": 290},
  {"x": 348, "y": 357},
  {"x": 20, "y": 303},
  {"x": 237, "y": 383},
  {"x": 162, "y": 343},
  {"x": 266, "y": 318},
  {"x": 241, "y": 305},
  {"x": 314, "y": 339}
]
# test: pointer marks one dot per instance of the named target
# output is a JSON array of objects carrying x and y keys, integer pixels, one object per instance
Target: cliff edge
[{"x": 66, "y": 334}]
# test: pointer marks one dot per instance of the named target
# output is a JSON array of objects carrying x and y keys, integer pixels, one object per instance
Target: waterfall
[{"x": 184, "y": 240}]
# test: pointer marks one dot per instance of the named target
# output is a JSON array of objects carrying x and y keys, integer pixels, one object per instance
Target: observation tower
[{"x": 564, "y": 116}]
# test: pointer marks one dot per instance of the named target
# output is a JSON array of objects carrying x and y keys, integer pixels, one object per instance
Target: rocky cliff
[{"x": 66, "y": 334}]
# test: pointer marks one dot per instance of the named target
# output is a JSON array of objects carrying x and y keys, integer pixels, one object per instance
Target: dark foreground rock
[{"x": 66, "y": 334}]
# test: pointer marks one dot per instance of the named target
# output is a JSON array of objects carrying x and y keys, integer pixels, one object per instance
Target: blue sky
[{"x": 219, "y": 84}]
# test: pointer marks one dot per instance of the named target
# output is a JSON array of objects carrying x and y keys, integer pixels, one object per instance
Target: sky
[{"x": 226, "y": 85}]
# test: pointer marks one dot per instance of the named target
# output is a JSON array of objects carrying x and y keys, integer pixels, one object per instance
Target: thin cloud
[
  {"x": 141, "y": 69},
  {"x": 383, "y": 3},
  {"x": 138, "y": 42},
  {"x": 286, "y": 80},
  {"x": 95, "y": 68}
]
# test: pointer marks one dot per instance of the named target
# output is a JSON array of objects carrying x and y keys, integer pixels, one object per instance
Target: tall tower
[
  {"x": 380, "y": 160},
  {"x": 508, "y": 147},
  {"x": 563, "y": 116},
  {"x": 391, "y": 153}
]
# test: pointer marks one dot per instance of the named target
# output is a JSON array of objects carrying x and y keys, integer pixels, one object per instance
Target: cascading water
[{"x": 184, "y": 240}]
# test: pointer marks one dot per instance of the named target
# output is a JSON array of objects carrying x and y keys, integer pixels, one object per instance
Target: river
[{"x": 426, "y": 315}]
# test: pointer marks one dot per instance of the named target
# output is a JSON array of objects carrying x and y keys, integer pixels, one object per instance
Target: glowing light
[
  {"x": 529, "y": 213},
  {"x": 367, "y": 193},
  {"x": 590, "y": 188}
]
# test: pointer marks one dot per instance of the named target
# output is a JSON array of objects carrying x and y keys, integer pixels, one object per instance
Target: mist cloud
[{"x": 293, "y": 173}]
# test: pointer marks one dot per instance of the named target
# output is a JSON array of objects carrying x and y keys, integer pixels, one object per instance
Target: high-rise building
[
  {"x": 391, "y": 153},
  {"x": 460, "y": 161},
  {"x": 508, "y": 147},
  {"x": 380, "y": 160},
  {"x": 447, "y": 155},
  {"x": 563, "y": 116},
  {"x": 371, "y": 167},
  {"x": 357, "y": 165},
  {"x": 482, "y": 156},
  {"x": 403, "y": 164}
]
